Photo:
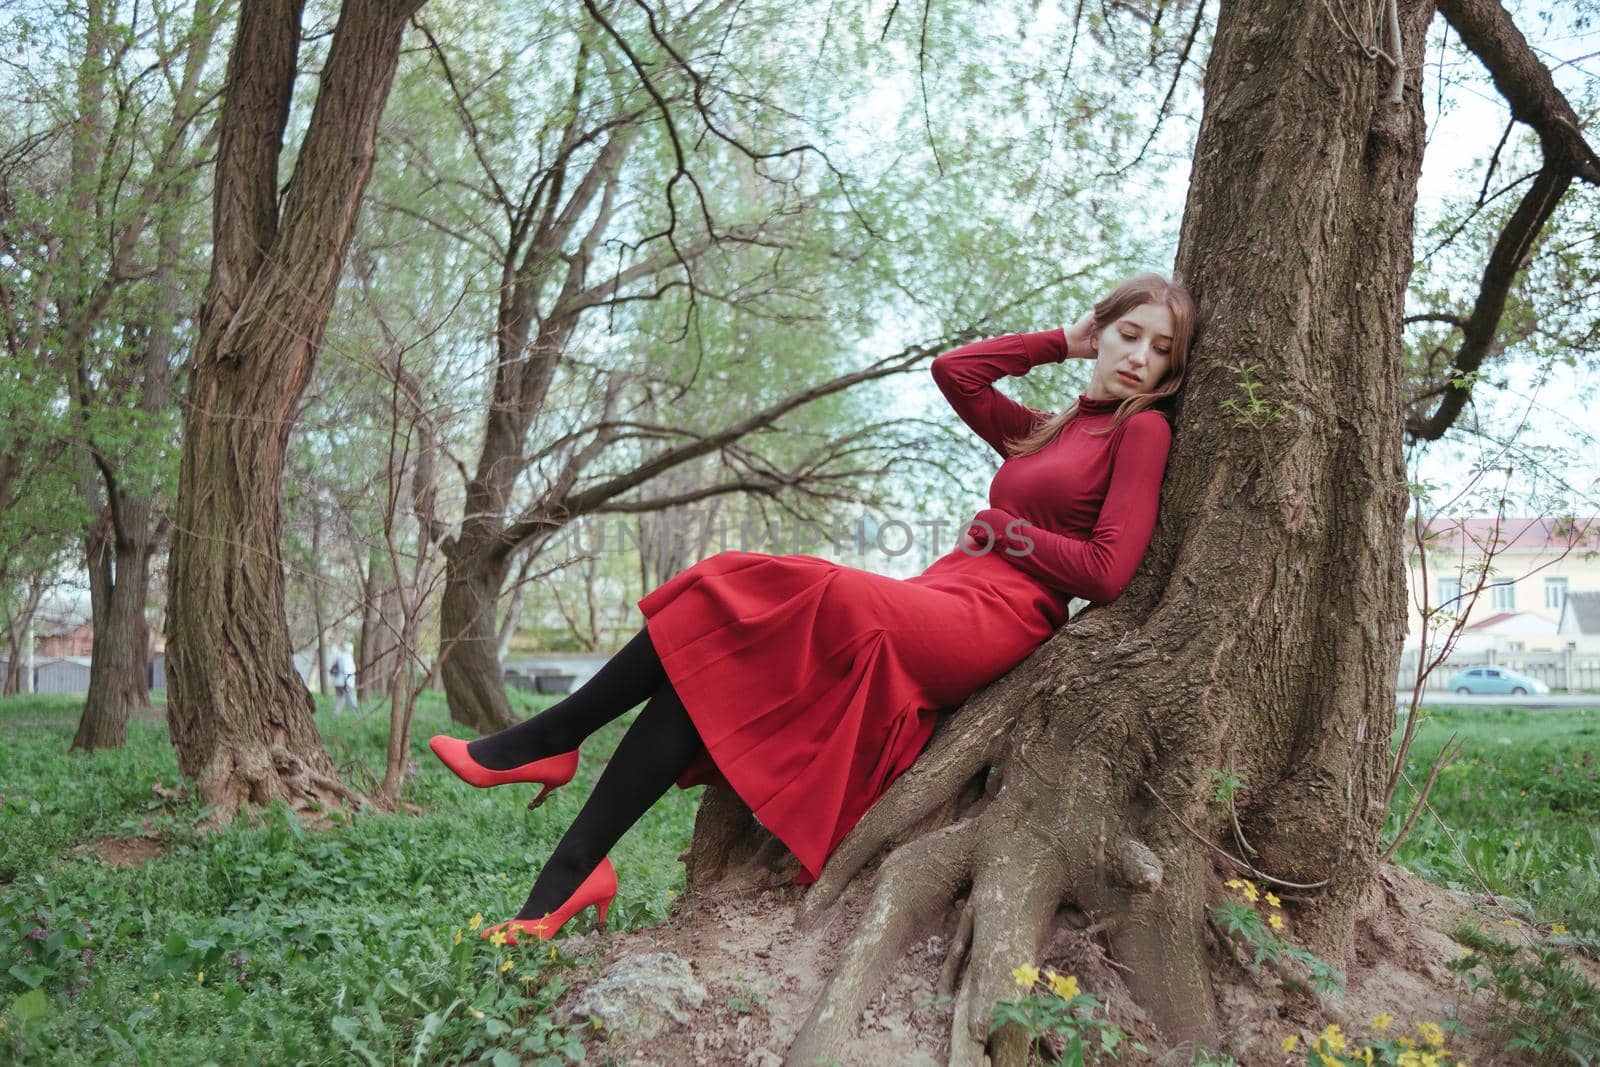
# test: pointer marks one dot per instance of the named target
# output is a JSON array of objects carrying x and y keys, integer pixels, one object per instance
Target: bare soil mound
[{"x": 763, "y": 975}]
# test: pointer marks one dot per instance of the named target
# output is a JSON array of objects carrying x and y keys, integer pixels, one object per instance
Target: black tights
[{"x": 657, "y": 748}]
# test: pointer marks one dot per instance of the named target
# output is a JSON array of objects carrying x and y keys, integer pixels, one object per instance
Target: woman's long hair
[{"x": 1138, "y": 290}]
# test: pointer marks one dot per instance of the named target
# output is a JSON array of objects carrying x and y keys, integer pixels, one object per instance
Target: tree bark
[
  {"x": 1262, "y": 634},
  {"x": 239, "y": 715},
  {"x": 469, "y": 664},
  {"x": 119, "y": 664}
]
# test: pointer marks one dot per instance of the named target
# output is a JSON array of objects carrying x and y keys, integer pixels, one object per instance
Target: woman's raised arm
[{"x": 966, "y": 377}]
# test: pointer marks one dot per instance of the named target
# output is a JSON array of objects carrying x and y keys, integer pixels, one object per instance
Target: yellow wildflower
[
  {"x": 1333, "y": 1037},
  {"x": 1290, "y": 1042},
  {"x": 506, "y": 966},
  {"x": 155, "y": 998},
  {"x": 1431, "y": 1033},
  {"x": 1382, "y": 1022},
  {"x": 1026, "y": 975},
  {"x": 1409, "y": 1059},
  {"x": 1275, "y": 921},
  {"x": 475, "y": 922},
  {"x": 457, "y": 939},
  {"x": 498, "y": 939},
  {"x": 1329, "y": 1061},
  {"x": 1272, "y": 898},
  {"x": 475, "y": 1013},
  {"x": 1065, "y": 987},
  {"x": 1557, "y": 928},
  {"x": 1366, "y": 1056},
  {"x": 200, "y": 977},
  {"x": 1234, "y": 883},
  {"x": 552, "y": 952}
]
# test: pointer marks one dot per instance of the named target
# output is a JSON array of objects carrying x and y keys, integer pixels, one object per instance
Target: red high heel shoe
[
  {"x": 600, "y": 888},
  {"x": 550, "y": 772}
]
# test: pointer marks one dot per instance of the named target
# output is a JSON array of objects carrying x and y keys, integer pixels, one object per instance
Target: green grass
[
  {"x": 1522, "y": 805},
  {"x": 316, "y": 946},
  {"x": 338, "y": 945}
]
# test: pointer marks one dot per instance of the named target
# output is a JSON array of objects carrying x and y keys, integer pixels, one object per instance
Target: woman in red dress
[{"x": 806, "y": 686}]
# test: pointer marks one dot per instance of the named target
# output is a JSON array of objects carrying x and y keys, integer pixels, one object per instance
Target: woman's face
[{"x": 1132, "y": 354}]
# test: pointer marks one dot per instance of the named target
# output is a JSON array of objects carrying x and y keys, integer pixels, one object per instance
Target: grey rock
[{"x": 638, "y": 996}]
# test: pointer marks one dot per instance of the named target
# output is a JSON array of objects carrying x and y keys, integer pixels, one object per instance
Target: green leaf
[
  {"x": 30, "y": 974},
  {"x": 30, "y": 1006}
]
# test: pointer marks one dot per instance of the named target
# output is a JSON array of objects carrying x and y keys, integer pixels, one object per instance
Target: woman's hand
[
  {"x": 1079, "y": 338},
  {"x": 979, "y": 529}
]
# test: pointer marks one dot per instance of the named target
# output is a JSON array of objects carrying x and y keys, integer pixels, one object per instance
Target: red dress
[{"x": 814, "y": 685}]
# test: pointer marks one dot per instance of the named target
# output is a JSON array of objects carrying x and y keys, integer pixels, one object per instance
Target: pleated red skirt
[{"x": 815, "y": 685}]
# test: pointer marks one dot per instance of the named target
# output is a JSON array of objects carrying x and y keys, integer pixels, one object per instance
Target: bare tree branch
[{"x": 1527, "y": 86}]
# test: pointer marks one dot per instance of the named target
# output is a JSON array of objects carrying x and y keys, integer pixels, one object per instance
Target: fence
[{"x": 1567, "y": 671}]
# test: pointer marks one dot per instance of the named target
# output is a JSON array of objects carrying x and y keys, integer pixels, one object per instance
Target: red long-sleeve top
[{"x": 1078, "y": 514}]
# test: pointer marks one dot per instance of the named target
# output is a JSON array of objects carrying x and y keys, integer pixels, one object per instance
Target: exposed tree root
[
  {"x": 916, "y": 882},
  {"x": 237, "y": 778},
  {"x": 1018, "y": 882},
  {"x": 1159, "y": 938}
]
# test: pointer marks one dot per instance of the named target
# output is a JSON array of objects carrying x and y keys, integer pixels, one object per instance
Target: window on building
[
  {"x": 1449, "y": 594},
  {"x": 1504, "y": 595},
  {"x": 1555, "y": 593}
]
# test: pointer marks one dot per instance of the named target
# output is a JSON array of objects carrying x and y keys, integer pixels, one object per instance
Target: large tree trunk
[
  {"x": 239, "y": 715},
  {"x": 119, "y": 665},
  {"x": 1263, "y": 632}
]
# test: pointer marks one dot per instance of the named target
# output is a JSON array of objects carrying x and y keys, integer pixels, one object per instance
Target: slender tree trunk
[
  {"x": 239, "y": 714},
  {"x": 17, "y": 629},
  {"x": 129, "y": 533},
  {"x": 513, "y": 610},
  {"x": 378, "y": 649},
  {"x": 318, "y": 616},
  {"x": 469, "y": 664},
  {"x": 1262, "y": 634},
  {"x": 119, "y": 665}
]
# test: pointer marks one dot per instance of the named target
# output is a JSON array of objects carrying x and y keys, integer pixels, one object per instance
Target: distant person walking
[{"x": 342, "y": 672}]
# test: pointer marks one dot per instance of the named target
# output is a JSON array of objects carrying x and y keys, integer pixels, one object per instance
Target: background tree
[
  {"x": 102, "y": 234},
  {"x": 238, "y": 712}
]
